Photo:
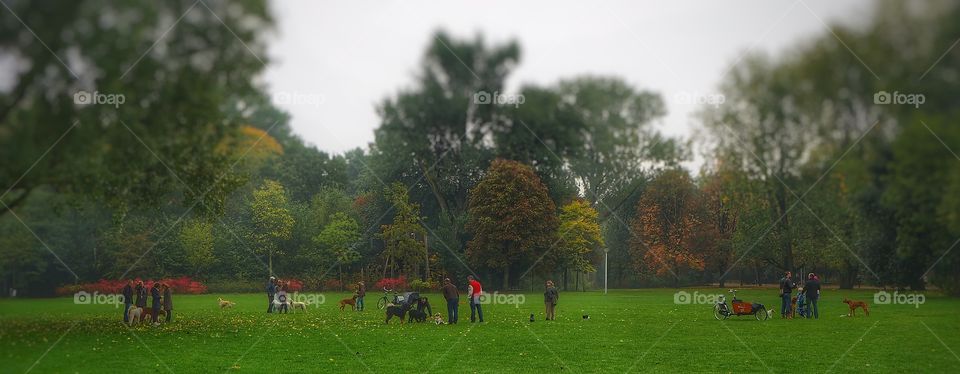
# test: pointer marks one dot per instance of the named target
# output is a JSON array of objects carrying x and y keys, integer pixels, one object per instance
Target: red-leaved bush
[
  {"x": 332, "y": 285},
  {"x": 393, "y": 283},
  {"x": 182, "y": 285},
  {"x": 293, "y": 285}
]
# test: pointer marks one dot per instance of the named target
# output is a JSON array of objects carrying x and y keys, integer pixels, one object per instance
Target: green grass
[{"x": 638, "y": 330}]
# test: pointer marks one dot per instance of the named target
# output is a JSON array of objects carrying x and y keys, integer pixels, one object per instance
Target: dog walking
[
  {"x": 786, "y": 290},
  {"x": 452, "y": 296},
  {"x": 474, "y": 289},
  {"x": 550, "y": 297}
]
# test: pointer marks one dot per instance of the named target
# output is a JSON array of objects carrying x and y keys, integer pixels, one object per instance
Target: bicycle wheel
[
  {"x": 382, "y": 303},
  {"x": 719, "y": 312},
  {"x": 761, "y": 314}
]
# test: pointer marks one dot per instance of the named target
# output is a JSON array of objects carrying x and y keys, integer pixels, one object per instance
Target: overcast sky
[{"x": 332, "y": 62}]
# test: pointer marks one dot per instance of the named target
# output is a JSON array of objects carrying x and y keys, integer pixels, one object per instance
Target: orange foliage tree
[{"x": 667, "y": 226}]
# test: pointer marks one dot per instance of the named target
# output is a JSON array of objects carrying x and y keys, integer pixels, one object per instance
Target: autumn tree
[
  {"x": 511, "y": 217},
  {"x": 578, "y": 234},
  {"x": 667, "y": 223},
  {"x": 196, "y": 237},
  {"x": 272, "y": 219},
  {"x": 402, "y": 246}
]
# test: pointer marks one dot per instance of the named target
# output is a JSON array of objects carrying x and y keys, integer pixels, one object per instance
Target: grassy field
[{"x": 636, "y": 330}]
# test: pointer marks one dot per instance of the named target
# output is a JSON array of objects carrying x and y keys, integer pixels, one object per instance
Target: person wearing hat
[{"x": 271, "y": 291}]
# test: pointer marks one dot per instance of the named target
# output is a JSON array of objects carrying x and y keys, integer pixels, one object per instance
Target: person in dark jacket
[
  {"x": 271, "y": 290},
  {"x": 812, "y": 290},
  {"x": 155, "y": 295},
  {"x": 127, "y": 300},
  {"x": 167, "y": 301},
  {"x": 452, "y": 296},
  {"x": 361, "y": 292},
  {"x": 141, "y": 295},
  {"x": 786, "y": 289},
  {"x": 550, "y": 297}
]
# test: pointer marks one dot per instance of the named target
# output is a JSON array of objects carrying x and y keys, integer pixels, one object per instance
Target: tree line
[{"x": 199, "y": 174}]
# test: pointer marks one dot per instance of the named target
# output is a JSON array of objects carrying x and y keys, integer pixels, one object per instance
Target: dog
[
  {"x": 147, "y": 314},
  {"x": 134, "y": 315},
  {"x": 399, "y": 311},
  {"x": 854, "y": 304},
  {"x": 417, "y": 315},
  {"x": 793, "y": 308},
  {"x": 351, "y": 301},
  {"x": 298, "y": 305},
  {"x": 438, "y": 319},
  {"x": 225, "y": 304}
]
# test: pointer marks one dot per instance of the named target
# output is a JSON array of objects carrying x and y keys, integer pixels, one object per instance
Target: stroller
[
  {"x": 407, "y": 299},
  {"x": 802, "y": 307}
]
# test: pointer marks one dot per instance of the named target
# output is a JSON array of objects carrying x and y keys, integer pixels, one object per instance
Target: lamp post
[{"x": 606, "y": 252}]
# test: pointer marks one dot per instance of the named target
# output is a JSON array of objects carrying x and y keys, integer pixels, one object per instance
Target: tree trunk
[
  {"x": 565, "y": 279},
  {"x": 506, "y": 278}
]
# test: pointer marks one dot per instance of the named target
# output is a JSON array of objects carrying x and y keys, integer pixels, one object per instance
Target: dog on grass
[
  {"x": 398, "y": 311},
  {"x": 417, "y": 315},
  {"x": 134, "y": 315},
  {"x": 224, "y": 304},
  {"x": 438, "y": 319},
  {"x": 854, "y": 304},
  {"x": 298, "y": 305},
  {"x": 351, "y": 301},
  {"x": 147, "y": 314}
]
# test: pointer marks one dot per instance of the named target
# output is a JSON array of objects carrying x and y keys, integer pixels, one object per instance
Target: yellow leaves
[{"x": 252, "y": 144}]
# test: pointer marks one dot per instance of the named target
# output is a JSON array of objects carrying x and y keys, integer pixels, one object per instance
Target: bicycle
[{"x": 382, "y": 303}]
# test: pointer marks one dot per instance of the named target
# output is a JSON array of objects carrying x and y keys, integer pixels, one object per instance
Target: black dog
[
  {"x": 417, "y": 315},
  {"x": 396, "y": 310}
]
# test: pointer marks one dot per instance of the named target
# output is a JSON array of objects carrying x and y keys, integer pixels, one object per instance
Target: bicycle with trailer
[{"x": 737, "y": 307}]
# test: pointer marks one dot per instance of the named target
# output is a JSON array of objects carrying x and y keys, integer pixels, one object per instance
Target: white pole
[{"x": 605, "y": 253}]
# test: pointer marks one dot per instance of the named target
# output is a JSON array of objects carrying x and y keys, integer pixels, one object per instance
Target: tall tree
[
  {"x": 403, "y": 247},
  {"x": 272, "y": 219},
  {"x": 511, "y": 218},
  {"x": 578, "y": 235},
  {"x": 340, "y": 237},
  {"x": 669, "y": 216}
]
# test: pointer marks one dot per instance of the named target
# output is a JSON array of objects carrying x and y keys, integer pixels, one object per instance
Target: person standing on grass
[
  {"x": 550, "y": 297},
  {"x": 474, "y": 289},
  {"x": 452, "y": 296},
  {"x": 141, "y": 295},
  {"x": 786, "y": 290},
  {"x": 361, "y": 292},
  {"x": 127, "y": 300},
  {"x": 271, "y": 291},
  {"x": 282, "y": 297},
  {"x": 155, "y": 295},
  {"x": 167, "y": 301},
  {"x": 812, "y": 290}
]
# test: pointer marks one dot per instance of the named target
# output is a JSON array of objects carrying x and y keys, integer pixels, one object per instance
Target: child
[{"x": 282, "y": 299}]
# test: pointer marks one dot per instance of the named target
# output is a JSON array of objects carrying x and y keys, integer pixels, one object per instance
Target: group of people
[
  {"x": 810, "y": 290},
  {"x": 277, "y": 298},
  {"x": 452, "y": 296},
  {"x": 160, "y": 293}
]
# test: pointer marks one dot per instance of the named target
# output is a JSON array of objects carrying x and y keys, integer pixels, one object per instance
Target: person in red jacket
[{"x": 474, "y": 289}]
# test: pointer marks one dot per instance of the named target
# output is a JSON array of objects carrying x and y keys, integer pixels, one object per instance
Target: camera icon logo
[
  {"x": 682, "y": 298},
  {"x": 882, "y": 98},
  {"x": 482, "y": 97},
  {"x": 82, "y": 98},
  {"x": 881, "y": 297},
  {"x": 81, "y": 297}
]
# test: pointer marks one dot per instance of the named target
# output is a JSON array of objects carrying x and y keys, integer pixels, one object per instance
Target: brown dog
[
  {"x": 351, "y": 301},
  {"x": 148, "y": 314},
  {"x": 853, "y": 304}
]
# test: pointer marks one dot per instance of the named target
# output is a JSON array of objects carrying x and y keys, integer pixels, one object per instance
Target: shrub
[
  {"x": 419, "y": 285},
  {"x": 332, "y": 285},
  {"x": 397, "y": 284},
  {"x": 182, "y": 285}
]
